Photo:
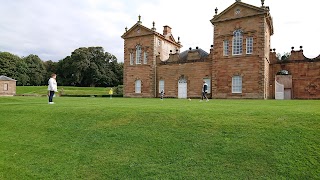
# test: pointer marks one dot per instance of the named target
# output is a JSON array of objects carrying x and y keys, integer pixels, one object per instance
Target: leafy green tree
[
  {"x": 90, "y": 67},
  {"x": 283, "y": 57},
  {"x": 36, "y": 70},
  {"x": 8, "y": 64},
  {"x": 22, "y": 73}
]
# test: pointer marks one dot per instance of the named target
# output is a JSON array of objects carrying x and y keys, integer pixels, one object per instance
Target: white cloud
[{"x": 53, "y": 29}]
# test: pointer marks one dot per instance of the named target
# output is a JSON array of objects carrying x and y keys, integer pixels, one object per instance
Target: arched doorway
[{"x": 283, "y": 85}]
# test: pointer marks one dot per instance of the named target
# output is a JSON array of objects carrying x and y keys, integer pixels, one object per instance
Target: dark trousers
[
  {"x": 51, "y": 93},
  {"x": 204, "y": 95}
]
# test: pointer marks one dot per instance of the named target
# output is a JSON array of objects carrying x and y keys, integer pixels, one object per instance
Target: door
[
  {"x": 182, "y": 89},
  {"x": 287, "y": 93}
]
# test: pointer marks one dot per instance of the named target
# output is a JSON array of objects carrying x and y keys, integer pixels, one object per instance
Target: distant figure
[
  {"x": 204, "y": 91},
  {"x": 161, "y": 94},
  {"x": 52, "y": 87},
  {"x": 110, "y": 93}
]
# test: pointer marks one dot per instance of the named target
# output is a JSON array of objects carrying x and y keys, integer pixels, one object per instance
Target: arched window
[
  {"x": 237, "y": 42},
  {"x": 138, "y": 86},
  {"x": 138, "y": 54}
]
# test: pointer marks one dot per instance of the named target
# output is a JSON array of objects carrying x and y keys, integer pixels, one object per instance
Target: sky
[{"x": 53, "y": 29}]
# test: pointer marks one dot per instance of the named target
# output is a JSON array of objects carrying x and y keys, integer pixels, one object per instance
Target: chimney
[{"x": 166, "y": 30}]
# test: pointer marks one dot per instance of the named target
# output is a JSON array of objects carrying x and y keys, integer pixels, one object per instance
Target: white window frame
[
  {"x": 6, "y": 87},
  {"x": 225, "y": 48},
  {"x": 138, "y": 54},
  {"x": 138, "y": 86},
  {"x": 208, "y": 81},
  {"x": 237, "y": 47},
  {"x": 161, "y": 85},
  {"x": 131, "y": 58},
  {"x": 236, "y": 84},
  {"x": 145, "y": 58},
  {"x": 249, "y": 45}
]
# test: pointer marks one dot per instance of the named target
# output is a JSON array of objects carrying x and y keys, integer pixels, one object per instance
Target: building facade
[
  {"x": 7, "y": 86},
  {"x": 239, "y": 64}
]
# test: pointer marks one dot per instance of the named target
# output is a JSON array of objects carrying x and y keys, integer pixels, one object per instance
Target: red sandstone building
[{"x": 240, "y": 63}]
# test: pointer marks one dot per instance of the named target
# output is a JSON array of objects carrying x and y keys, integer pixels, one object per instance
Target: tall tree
[
  {"x": 8, "y": 64},
  {"x": 36, "y": 70}
]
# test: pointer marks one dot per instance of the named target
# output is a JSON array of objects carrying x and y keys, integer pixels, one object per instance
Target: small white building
[{"x": 7, "y": 86}]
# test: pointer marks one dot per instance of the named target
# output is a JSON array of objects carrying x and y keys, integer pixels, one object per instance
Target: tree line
[{"x": 86, "y": 66}]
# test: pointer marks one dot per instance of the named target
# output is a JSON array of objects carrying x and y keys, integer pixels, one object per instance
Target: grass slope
[{"x": 119, "y": 138}]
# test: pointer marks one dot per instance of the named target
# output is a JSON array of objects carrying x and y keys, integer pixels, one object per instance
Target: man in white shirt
[
  {"x": 204, "y": 91},
  {"x": 52, "y": 87}
]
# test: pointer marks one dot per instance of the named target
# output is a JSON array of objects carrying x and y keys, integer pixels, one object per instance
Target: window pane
[
  {"x": 131, "y": 58},
  {"x": 145, "y": 58},
  {"x": 161, "y": 85},
  {"x": 138, "y": 54},
  {"x": 138, "y": 86},
  {"x": 236, "y": 84},
  {"x": 237, "y": 43},
  {"x": 225, "y": 48}
]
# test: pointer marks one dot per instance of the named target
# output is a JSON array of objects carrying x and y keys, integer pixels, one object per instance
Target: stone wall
[
  {"x": 305, "y": 74},
  {"x": 7, "y": 88}
]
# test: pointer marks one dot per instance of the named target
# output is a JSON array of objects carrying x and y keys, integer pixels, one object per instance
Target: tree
[
  {"x": 90, "y": 67},
  {"x": 35, "y": 70},
  {"x": 51, "y": 67},
  {"x": 8, "y": 64},
  {"x": 283, "y": 57}
]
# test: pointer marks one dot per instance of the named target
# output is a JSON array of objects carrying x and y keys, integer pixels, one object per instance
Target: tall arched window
[
  {"x": 237, "y": 42},
  {"x": 138, "y": 54}
]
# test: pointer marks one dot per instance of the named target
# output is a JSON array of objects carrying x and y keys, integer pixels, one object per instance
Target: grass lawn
[
  {"x": 67, "y": 90},
  {"x": 120, "y": 138}
]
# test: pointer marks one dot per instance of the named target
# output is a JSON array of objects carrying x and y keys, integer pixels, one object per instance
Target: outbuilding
[{"x": 7, "y": 86}]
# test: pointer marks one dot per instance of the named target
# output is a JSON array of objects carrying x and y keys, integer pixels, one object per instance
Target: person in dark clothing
[
  {"x": 161, "y": 94},
  {"x": 204, "y": 91}
]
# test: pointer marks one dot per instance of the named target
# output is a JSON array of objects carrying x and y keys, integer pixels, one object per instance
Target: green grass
[
  {"x": 66, "y": 90},
  {"x": 120, "y": 138}
]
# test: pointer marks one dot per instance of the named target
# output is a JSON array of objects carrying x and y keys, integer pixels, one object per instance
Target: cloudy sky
[{"x": 52, "y": 29}]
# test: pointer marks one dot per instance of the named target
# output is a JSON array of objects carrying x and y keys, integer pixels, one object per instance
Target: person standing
[
  {"x": 111, "y": 93},
  {"x": 161, "y": 94},
  {"x": 204, "y": 91},
  {"x": 52, "y": 87}
]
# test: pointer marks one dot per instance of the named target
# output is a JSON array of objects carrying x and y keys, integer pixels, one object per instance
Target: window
[
  {"x": 225, "y": 47},
  {"x": 131, "y": 58},
  {"x": 159, "y": 42},
  {"x": 145, "y": 58},
  {"x": 138, "y": 54},
  {"x": 138, "y": 86},
  {"x": 236, "y": 84},
  {"x": 161, "y": 85},
  {"x": 249, "y": 45},
  {"x": 237, "y": 43},
  {"x": 208, "y": 81},
  {"x": 6, "y": 87}
]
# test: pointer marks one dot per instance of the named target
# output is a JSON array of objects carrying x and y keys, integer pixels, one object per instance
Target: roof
[
  {"x": 5, "y": 78},
  {"x": 152, "y": 31},
  {"x": 184, "y": 55}
]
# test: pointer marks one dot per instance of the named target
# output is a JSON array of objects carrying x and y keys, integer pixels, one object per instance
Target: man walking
[{"x": 204, "y": 91}]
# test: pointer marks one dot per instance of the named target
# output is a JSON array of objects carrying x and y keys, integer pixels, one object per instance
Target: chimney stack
[{"x": 166, "y": 30}]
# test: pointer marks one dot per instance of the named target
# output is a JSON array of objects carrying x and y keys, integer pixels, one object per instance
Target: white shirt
[{"x": 52, "y": 85}]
